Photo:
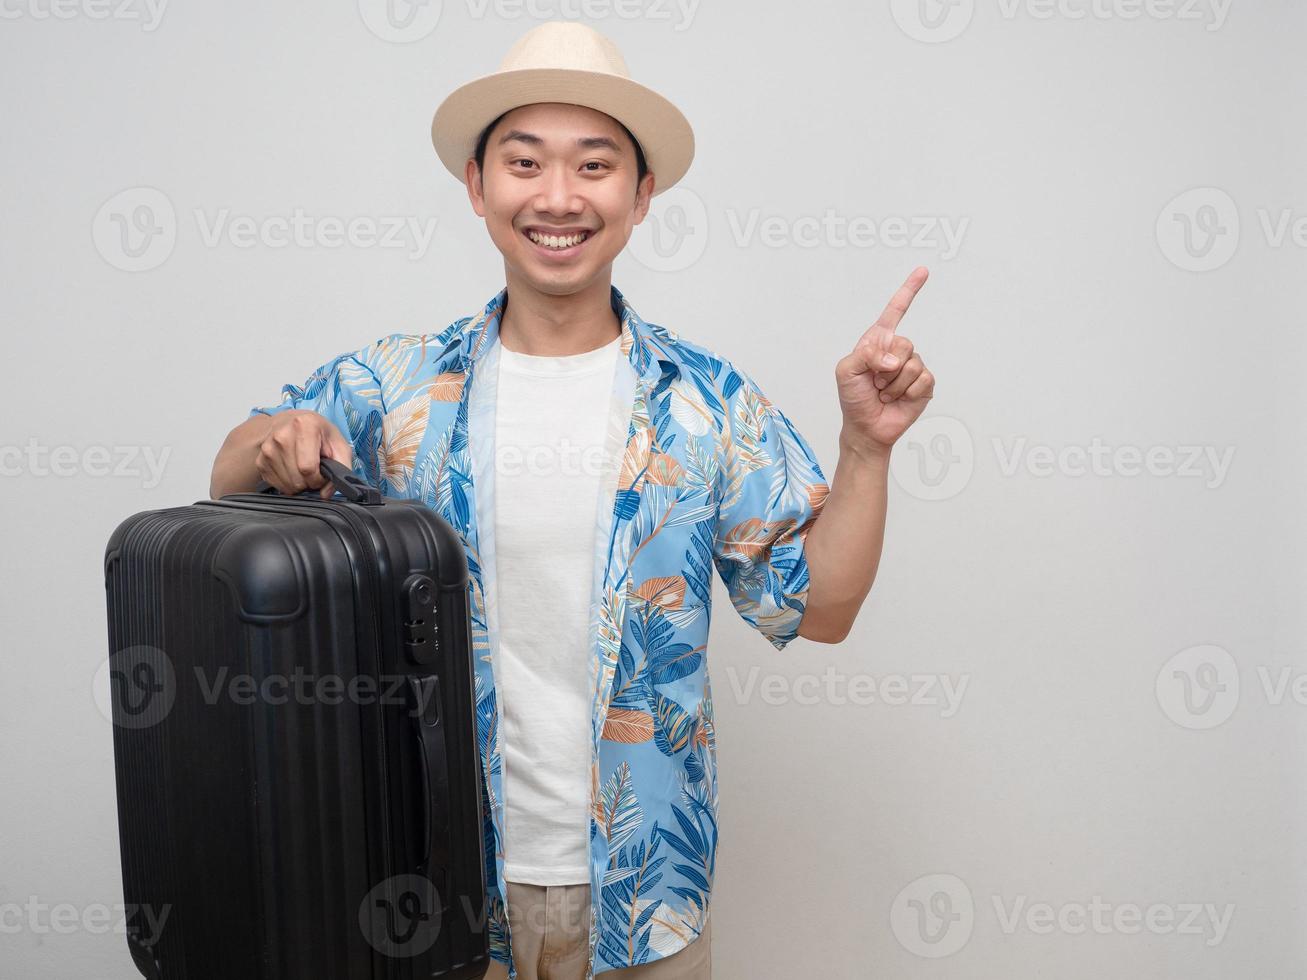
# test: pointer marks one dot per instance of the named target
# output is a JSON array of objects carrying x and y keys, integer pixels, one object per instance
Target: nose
[{"x": 558, "y": 194}]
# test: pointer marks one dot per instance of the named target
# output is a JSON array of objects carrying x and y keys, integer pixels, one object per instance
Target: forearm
[
  {"x": 843, "y": 545},
  {"x": 234, "y": 469}
]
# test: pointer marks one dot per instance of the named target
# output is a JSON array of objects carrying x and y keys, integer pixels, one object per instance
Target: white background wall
[{"x": 1054, "y": 141}]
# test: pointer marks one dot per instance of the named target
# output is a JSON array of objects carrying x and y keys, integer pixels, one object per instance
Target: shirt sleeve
[
  {"x": 347, "y": 392},
  {"x": 772, "y": 491}
]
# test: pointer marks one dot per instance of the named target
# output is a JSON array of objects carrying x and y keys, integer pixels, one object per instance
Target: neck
[{"x": 548, "y": 325}]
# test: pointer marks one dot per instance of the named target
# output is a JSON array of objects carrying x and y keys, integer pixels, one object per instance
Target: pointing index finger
[
  {"x": 883, "y": 329},
  {"x": 901, "y": 300}
]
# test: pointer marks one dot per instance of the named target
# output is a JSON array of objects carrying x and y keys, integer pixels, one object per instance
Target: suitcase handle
[
  {"x": 429, "y": 728},
  {"x": 345, "y": 481}
]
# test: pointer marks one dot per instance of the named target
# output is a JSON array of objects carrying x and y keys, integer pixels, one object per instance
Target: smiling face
[{"x": 559, "y": 195}]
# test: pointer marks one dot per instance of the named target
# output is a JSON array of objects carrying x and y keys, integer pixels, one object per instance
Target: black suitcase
[{"x": 299, "y": 784}]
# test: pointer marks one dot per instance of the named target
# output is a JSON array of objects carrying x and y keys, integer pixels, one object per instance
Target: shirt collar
[{"x": 647, "y": 352}]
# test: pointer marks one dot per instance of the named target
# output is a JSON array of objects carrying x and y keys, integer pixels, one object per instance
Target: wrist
[{"x": 864, "y": 449}]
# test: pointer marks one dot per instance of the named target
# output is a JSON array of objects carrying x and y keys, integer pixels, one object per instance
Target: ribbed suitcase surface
[{"x": 299, "y": 784}]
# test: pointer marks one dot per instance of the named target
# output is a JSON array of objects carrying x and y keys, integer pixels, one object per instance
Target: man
[{"x": 591, "y": 581}]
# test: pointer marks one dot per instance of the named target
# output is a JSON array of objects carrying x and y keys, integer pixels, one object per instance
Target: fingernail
[{"x": 889, "y": 360}]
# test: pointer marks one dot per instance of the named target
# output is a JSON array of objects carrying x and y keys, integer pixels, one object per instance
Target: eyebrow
[{"x": 584, "y": 142}]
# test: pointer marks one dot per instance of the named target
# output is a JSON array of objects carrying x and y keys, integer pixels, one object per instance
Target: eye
[
  {"x": 596, "y": 163},
  {"x": 521, "y": 160}
]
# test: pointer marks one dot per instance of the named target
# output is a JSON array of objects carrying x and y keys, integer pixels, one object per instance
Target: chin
[
  {"x": 558, "y": 285},
  {"x": 558, "y": 282}
]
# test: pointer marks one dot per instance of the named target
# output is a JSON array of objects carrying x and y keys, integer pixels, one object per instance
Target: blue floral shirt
[{"x": 710, "y": 474}]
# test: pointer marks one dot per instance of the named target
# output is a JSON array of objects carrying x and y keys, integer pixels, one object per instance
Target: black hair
[{"x": 641, "y": 167}]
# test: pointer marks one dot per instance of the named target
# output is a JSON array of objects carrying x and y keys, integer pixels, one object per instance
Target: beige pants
[{"x": 550, "y": 927}]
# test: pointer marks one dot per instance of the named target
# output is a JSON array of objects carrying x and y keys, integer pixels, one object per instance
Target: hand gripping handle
[{"x": 345, "y": 481}]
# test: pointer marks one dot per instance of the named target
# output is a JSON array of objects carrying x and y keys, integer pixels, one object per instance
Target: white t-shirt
[{"x": 551, "y": 420}]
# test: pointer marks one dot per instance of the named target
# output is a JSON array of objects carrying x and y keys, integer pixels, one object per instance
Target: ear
[
  {"x": 475, "y": 188},
  {"x": 643, "y": 194}
]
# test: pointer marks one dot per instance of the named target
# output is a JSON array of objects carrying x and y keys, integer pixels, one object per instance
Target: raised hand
[{"x": 883, "y": 383}]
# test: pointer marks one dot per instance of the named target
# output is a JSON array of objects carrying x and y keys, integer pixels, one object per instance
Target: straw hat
[{"x": 564, "y": 61}]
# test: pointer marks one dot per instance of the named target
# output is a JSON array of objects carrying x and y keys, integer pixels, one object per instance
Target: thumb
[{"x": 337, "y": 447}]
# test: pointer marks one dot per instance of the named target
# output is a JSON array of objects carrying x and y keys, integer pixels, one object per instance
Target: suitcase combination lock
[{"x": 420, "y": 638}]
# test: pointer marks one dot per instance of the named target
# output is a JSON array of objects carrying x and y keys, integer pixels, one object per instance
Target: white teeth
[{"x": 555, "y": 241}]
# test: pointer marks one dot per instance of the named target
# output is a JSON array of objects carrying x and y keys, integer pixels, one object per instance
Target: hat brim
[{"x": 664, "y": 133}]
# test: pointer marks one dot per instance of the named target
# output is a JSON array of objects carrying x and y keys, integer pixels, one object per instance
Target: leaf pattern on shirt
[
  {"x": 402, "y": 434},
  {"x": 710, "y": 474}
]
